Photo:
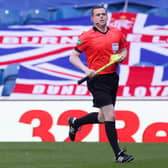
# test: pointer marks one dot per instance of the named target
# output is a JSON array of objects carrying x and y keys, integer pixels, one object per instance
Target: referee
[{"x": 99, "y": 43}]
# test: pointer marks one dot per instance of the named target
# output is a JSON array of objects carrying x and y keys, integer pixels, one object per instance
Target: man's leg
[
  {"x": 75, "y": 123},
  {"x": 111, "y": 133},
  {"x": 110, "y": 128},
  {"x": 90, "y": 118}
]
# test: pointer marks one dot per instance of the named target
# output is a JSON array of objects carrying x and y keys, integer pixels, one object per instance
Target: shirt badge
[
  {"x": 79, "y": 42},
  {"x": 115, "y": 47}
]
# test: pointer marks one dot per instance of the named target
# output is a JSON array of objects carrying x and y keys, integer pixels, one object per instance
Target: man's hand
[{"x": 90, "y": 72}]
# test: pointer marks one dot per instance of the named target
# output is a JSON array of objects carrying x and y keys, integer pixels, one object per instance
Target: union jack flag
[{"x": 45, "y": 72}]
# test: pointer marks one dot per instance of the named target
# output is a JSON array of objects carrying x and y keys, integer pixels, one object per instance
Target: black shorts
[{"x": 104, "y": 89}]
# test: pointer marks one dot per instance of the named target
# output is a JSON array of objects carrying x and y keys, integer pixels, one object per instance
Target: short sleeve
[{"x": 82, "y": 43}]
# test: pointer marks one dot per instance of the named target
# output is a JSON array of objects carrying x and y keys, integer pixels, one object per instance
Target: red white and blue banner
[{"x": 45, "y": 72}]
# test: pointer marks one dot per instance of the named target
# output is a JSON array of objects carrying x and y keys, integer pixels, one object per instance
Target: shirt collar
[{"x": 96, "y": 29}]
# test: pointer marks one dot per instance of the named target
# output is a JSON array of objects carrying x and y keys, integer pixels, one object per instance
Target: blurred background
[{"x": 37, "y": 82}]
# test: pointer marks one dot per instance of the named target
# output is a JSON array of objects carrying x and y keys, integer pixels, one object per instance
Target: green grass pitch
[{"x": 79, "y": 155}]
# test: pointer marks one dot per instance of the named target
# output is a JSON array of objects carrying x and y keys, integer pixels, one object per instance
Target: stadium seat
[
  {"x": 87, "y": 12},
  {"x": 1, "y": 76},
  {"x": 114, "y": 8},
  {"x": 9, "y": 79},
  {"x": 64, "y": 13},
  {"x": 129, "y": 7},
  {"x": 135, "y": 8},
  {"x": 10, "y": 17},
  {"x": 163, "y": 12},
  {"x": 35, "y": 16},
  {"x": 54, "y": 14}
]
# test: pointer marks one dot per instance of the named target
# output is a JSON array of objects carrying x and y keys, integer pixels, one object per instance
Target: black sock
[
  {"x": 111, "y": 133},
  {"x": 90, "y": 118}
]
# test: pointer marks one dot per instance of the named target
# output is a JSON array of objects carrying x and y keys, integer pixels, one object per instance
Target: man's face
[{"x": 99, "y": 17}]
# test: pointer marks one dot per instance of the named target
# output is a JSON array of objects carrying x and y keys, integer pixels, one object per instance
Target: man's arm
[
  {"x": 76, "y": 61},
  {"x": 123, "y": 53}
]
